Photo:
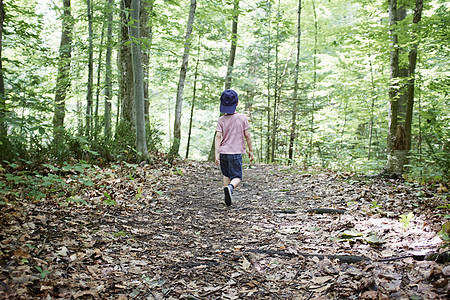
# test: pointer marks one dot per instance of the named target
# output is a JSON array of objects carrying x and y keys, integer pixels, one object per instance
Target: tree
[
  {"x": 401, "y": 92},
  {"x": 194, "y": 94},
  {"x": 146, "y": 16},
  {"x": 126, "y": 91},
  {"x": 108, "y": 67},
  {"x": 295, "y": 93},
  {"x": 63, "y": 79},
  {"x": 183, "y": 71},
  {"x": 2, "y": 81},
  {"x": 90, "y": 80},
  {"x": 230, "y": 66},
  {"x": 234, "y": 36},
  {"x": 138, "y": 81}
]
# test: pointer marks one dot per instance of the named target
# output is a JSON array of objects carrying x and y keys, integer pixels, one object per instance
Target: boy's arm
[
  {"x": 217, "y": 141},
  {"x": 248, "y": 138}
]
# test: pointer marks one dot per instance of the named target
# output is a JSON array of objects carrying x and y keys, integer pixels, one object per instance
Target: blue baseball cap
[{"x": 228, "y": 102}]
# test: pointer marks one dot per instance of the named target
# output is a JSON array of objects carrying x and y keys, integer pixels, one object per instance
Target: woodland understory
[{"x": 163, "y": 232}]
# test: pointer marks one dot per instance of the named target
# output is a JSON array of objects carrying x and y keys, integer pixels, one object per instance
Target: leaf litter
[{"x": 162, "y": 232}]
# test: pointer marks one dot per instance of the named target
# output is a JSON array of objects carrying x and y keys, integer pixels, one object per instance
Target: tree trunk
[
  {"x": 2, "y": 82},
  {"x": 412, "y": 58},
  {"x": 184, "y": 67},
  {"x": 268, "y": 141},
  {"x": 295, "y": 94},
  {"x": 313, "y": 102},
  {"x": 193, "y": 102},
  {"x": 231, "y": 58},
  {"x": 108, "y": 67},
  {"x": 126, "y": 91},
  {"x": 98, "y": 90},
  {"x": 234, "y": 37},
  {"x": 401, "y": 96},
  {"x": 90, "y": 81},
  {"x": 138, "y": 82},
  {"x": 273, "y": 137},
  {"x": 63, "y": 79},
  {"x": 146, "y": 33}
]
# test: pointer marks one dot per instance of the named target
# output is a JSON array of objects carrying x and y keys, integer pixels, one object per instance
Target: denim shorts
[{"x": 231, "y": 165}]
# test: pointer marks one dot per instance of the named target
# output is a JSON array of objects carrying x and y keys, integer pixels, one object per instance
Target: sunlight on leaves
[{"x": 406, "y": 219}]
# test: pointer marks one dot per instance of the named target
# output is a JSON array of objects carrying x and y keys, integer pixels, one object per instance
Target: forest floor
[{"x": 162, "y": 232}]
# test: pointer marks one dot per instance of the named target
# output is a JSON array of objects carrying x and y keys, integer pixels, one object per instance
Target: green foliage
[
  {"x": 109, "y": 200},
  {"x": 375, "y": 205},
  {"x": 42, "y": 272},
  {"x": 342, "y": 98},
  {"x": 406, "y": 219}
]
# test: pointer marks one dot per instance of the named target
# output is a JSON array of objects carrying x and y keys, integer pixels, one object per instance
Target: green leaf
[
  {"x": 406, "y": 219},
  {"x": 350, "y": 234},
  {"x": 374, "y": 240}
]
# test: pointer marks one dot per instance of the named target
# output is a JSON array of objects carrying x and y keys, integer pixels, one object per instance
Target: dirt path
[{"x": 172, "y": 237}]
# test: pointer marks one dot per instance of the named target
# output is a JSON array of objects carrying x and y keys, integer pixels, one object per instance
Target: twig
[{"x": 42, "y": 248}]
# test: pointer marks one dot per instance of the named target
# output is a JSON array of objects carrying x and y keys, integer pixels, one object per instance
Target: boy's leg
[
  {"x": 235, "y": 182},
  {"x": 226, "y": 180},
  {"x": 232, "y": 173}
]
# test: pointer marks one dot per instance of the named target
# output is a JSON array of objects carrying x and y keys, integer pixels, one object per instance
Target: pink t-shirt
[{"x": 232, "y": 128}]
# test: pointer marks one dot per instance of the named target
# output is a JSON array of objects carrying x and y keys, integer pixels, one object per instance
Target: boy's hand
[
  {"x": 250, "y": 155},
  {"x": 217, "y": 160}
]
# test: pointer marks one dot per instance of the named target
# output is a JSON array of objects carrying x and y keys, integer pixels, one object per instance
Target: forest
[
  {"x": 108, "y": 112},
  {"x": 323, "y": 83}
]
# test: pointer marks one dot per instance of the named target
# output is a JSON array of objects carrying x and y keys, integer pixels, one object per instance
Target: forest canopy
[{"x": 328, "y": 83}]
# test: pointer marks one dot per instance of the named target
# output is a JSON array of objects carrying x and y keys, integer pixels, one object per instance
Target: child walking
[{"x": 232, "y": 129}]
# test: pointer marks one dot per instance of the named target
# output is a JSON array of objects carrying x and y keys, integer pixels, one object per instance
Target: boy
[{"x": 232, "y": 129}]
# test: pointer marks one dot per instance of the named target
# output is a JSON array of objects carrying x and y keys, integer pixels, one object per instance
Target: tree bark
[
  {"x": 108, "y": 69},
  {"x": 147, "y": 34},
  {"x": 90, "y": 80},
  {"x": 234, "y": 36},
  {"x": 183, "y": 71},
  {"x": 273, "y": 138},
  {"x": 412, "y": 58},
  {"x": 126, "y": 91},
  {"x": 295, "y": 94},
  {"x": 2, "y": 82},
  {"x": 63, "y": 79},
  {"x": 98, "y": 88},
  {"x": 401, "y": 95},
  {"x": 138, "y": 82},
  {"x": 193, "y": 102}
]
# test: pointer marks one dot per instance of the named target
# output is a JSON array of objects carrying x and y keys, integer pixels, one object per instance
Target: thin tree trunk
[
  {"x": 108, "y": 67},
  {"x": 372, "y": 107},
  {"x": 295, "y": 94},
  {"x": 97, "y": 96},
  {"x": 268, "y": 142},
  {"x": 90, "y": 81},
  {"x": 276, "y": 91},
  {"x": 193, "y": 101},
  {"x": 2, "y": 82},
  {"x": 313, "y": 104},
  {"x": 411, "y": 76},
  {"x": 231, "y": 58},
  {"x": 234, "y": 37},
  {"x": 183, "y": 71},
  {"x": 63, "y": 79},
  {"x": 141, "y": 142}
]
